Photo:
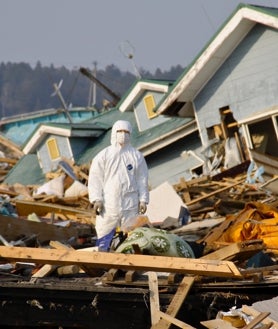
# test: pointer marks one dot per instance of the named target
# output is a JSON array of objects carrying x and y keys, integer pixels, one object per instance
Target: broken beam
[
  {"x": 120, "y": 261},
  {"x": 25, "y": 207}
]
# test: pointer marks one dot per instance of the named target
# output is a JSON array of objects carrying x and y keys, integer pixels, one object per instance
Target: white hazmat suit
[{"x": 118, "y": 179}]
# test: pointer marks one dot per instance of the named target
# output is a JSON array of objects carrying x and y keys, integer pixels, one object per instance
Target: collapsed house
[
  {"x": 201, "y": 123},
  {"x": 192, "y": 129},
  {"x": 232, "y": 79}
]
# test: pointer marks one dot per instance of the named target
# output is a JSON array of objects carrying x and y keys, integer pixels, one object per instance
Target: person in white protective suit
[{"x": 117, "y": 184}]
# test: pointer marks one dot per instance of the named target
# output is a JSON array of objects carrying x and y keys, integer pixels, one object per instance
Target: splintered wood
[{"x": 203, "y": 195}]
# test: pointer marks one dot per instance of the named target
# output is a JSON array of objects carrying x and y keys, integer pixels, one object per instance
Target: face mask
[{"x": 122, "y": 138}]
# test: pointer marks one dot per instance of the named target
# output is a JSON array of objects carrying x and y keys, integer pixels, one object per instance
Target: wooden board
[
  {"x": 176, "y": 303},
  {"x": 121, "y": 261},
  {"x": 25, "y": 208},
  {"x": 249, "y": 310},
  {"x": 154, "y": 297},
  {"x": 89, "y": 270},
  {"x": 237, "y": 251},
  {"x": 13, "y": 228}
]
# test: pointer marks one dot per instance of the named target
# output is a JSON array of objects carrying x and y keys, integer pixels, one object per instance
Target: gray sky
[{"x": 75, "y": 33}]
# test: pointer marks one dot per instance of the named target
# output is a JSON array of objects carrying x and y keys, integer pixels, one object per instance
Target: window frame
[
  {"x": 149, "y": 103},
  {"x": 53, "y": 149}
]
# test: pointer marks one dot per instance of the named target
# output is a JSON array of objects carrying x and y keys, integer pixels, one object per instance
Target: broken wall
[{"x": 246, "y": 82}]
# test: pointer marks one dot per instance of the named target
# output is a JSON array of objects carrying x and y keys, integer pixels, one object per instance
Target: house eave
[
  {"x": 74, "y": 130},
  {"x": 39, "y": 135},
  {"x": 169, "y": 138},
  {"x": 188, "y": 87},
  {"x": 137, "y": 91}
]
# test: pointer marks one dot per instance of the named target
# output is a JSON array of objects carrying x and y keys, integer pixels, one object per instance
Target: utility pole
[
  {"x": 89, "y": 75},
  {"x": 94, "y": 84},
  {"x": 92, "y": 90},
  {"x": 59, "y": 94}
]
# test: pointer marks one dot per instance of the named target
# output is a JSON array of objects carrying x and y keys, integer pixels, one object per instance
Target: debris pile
[{"x": 231, "y": 229}]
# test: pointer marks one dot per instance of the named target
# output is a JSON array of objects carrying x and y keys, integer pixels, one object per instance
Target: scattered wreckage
[{"x": 52, "y": 274}]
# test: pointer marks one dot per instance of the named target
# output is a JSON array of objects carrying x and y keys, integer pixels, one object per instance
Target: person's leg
[{"x": 104, "y": 242}]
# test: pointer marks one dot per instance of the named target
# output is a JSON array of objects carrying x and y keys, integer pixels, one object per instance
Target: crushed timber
[{"x": 59, "y": 258}]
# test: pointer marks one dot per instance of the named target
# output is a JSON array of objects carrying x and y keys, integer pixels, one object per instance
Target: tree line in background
[{"x": 24, "y": 89}]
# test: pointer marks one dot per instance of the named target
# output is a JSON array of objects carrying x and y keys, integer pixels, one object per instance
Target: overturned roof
[
  {"x": 138, "y": 88},
  {"x": 63, "y": 129}
]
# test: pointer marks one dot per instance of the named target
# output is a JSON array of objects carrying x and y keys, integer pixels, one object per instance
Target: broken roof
[{"x": 146, "y": 141}]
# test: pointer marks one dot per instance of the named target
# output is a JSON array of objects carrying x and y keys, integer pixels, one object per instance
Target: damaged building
[{"x": 192, "y": 132}]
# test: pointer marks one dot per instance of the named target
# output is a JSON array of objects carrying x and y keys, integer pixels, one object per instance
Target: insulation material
[
  {"x": 232, "y": 155},
  {"x": 53, "y": 187},
  {"x": 76, "y": 189},
  {"x": 255, "y": 221}
]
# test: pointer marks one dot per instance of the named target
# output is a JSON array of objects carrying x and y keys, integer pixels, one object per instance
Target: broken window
[
  {"x": 225, "y": 142},
  {"x": 263, "y": 138},
  {"x": 228, "y": 123},
  {"x": 53, "y": 149},
  {"x": 230, "y": 131}
]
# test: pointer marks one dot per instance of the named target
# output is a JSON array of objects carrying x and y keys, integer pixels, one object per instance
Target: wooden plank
[
  {"x": 61, "y": 246},
  {"x": 4, "y": 241},
  {"x": 176, "y": 322},
  {"x": 12, "y": 228},
  {"x": 8, "y": 192},
  {"x": 43, "y": 271},
  {"x": 130, "y": 275},
  {"x": 180, "y": 295},
  {"x": 11, "y": 145},
  {"x": 176, "y": 302},
  {"x": 253, "y": 270},
  {"x": 233, "y": 171},
  {"x": 47, "y": 268},
  {"x": 224, "y": 253},
  {"x": 207, "y": 195},
  {"x": 112, "y": 274},
  {"x": 8, "y": 160},
  {"x": 252, "y": 312},
  {"x": 239, "y": 250},
  {"x": 185, "y": 191},
  {"x": 154, "y": 297},
  {"x": 122, "y": 261},
  {"x": 214, "y": 235},
  {"x": 24, "y": 208},
  {"x": 258, "y": 319},
  {"x": 198, "y": 180},
  {"x": 68, "y": 270},
  {"x": 273, "y": 179}
]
